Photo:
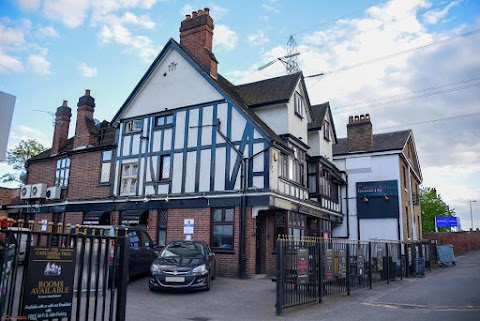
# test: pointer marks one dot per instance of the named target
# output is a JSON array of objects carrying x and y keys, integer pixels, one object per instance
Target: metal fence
[
  {"x": 309, "y": 268},
  {"x": 93, "y": 272}
]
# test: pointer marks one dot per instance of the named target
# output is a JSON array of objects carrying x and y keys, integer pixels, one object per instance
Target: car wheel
[
  {"x": 152, "y": 289},
  {"x": 207, "y": 285}
]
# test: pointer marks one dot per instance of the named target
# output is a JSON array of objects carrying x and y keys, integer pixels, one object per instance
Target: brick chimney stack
[
  {"x": 196, "y": 35},
  {"x": 359, "y": 133},
  {"x": 86, "y": 107},
  {"x": 62, "y": 123}
]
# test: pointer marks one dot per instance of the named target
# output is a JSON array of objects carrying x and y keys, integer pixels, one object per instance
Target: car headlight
[
  {"x": 201, "y": 269},
  {"x": 155, "y": 268}
]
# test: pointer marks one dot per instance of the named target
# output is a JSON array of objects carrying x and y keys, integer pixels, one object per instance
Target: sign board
[
  {"x": 7, "y": 105},
  {"x": 44, "y": 225},
  {"x": 188, "y": 224},
  {"x": 329, "y": 264},
  {"x": 49, "y": 285},
  {"x": 379, "y": 259},
  {"x": 446, "y": 221},
  {"x": 377, "y": 199},
  {"x": 360, "y": 264},
  {"x": 302, "y": 266}
]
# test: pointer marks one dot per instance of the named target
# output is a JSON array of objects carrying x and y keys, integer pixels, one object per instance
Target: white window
[
  {"x": 62, "y": 172},
  {"x": 133, "y": 126},
  {"x": 129, "y": 179},
  {"x": 165, "y": 162},
  {"x": 298, "y": 100},
  {"x": 106, "y": 166},
  {"x": 326, "y": 130}
]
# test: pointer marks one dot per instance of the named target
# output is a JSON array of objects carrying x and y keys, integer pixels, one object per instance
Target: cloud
[
  {"x": 39, "y": 64},
  {"x": 29, "y": 5},
  {"x": 270, "y": 6},
  {"x": 141, "y": 21},
  {"x": 71, "y": 13},
  {"x": 432, "y": 17},
  {"x": 25, "y": 132},
  {"x": 225, "y": 38},
  {"x": 47, "y": 32},
  {"x": 9, "y": 63},
  {"x": 140, "y": 45},
  {"x": 12, "y": 34},
  {"x": 258, "y": 38},
  {"x": 87, "y": 71}
]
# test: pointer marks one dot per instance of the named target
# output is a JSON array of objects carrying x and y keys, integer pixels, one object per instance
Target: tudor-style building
[
  {"x": 384, "y": 176},
  {"x": 242, "y": 163}
]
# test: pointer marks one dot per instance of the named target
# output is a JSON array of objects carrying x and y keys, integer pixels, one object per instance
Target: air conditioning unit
[
  {"x": 39, "y": 190},
  {"x": 53, "y": 193},
  {"x": 25, "y": 191}
]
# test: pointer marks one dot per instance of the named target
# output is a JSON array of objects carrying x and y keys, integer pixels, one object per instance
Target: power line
[
  {"x": 405, "y": 94},
  {"x": 430, "y": 121}
]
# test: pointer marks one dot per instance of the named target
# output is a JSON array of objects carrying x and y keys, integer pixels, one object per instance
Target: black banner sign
[
  {"x": 302, "y": 266},
  {"x": 329, "y": 264},
  {"x": 49, "y": 285},
  {"x": 342, "y": 264},
  {"x": 360, "y": 264}
]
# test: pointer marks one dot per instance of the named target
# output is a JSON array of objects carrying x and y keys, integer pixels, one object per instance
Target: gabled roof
[
  {"x": 222, "y": 84},
  {"x": 381, "y": 143},
  {"x": 318, "y": 116},
  {"x": 269, "y": 91}
]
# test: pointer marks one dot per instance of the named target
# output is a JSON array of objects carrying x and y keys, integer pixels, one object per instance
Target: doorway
[{"x": 261, "y": 243}]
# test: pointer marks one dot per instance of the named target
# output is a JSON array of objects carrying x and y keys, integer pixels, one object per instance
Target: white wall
[
  {"x": 276, "y": 117},
  {"x": 165, "y": 88},
  {"x": 364, "y": 169},
  {"x": 297, "y": 126}
]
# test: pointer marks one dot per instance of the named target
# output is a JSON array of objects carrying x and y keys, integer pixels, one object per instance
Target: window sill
[
  {"x": 103, "y": 184},
  {"x": 222, "y": 251}
]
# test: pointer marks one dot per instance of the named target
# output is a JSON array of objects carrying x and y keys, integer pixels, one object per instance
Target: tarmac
[{"x": 444, "y": 294}]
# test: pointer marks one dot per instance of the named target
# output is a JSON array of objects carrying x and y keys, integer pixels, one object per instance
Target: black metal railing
[
  {"x": 310, "y": 268},
  {"x": 97, "y": 264}
]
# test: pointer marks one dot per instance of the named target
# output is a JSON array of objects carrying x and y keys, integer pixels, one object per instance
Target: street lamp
[{"x": 471, "y": 214}]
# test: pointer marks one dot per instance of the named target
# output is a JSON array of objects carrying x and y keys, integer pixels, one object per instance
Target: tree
[
  {"x": 432, "y": 205},
  {"x": 18, "y": 157}
]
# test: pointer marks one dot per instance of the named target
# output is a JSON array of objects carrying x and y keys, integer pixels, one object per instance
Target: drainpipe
[{"x": 347, "y": 205}]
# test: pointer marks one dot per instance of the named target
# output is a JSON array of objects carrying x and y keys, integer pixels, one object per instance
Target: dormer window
[
  {"x": 298, "y": 102},
  {"x": 133, "y": 126}
]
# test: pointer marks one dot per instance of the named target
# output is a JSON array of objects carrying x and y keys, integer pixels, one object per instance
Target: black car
[{"x": 183, "y": 264}]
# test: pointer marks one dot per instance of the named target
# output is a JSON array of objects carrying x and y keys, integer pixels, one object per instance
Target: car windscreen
[{"x": 183, "y": 250}]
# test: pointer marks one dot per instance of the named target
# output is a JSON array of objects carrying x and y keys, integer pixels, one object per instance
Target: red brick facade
[{"x": 462, "y": 242}]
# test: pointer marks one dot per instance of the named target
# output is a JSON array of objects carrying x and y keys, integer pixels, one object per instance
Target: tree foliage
[
  {"x": 432, "y": 205},
  {"x": 18, "y": 156}
]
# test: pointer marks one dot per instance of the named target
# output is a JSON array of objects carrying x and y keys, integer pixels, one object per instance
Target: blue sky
[{"x": 51, "y": 50}]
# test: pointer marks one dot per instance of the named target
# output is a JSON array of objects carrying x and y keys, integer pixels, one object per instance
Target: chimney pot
[
  {"x": 200, "y": 12},
  {"x": 362, "y": 117},
  {"x": 194, "y": 14},
  {"x": 350, "y": 119},
  {"x": 356, "y": 118},
  {"x": 187, "y": 17},
  {"x": 65, "y": 103},
  {"x": 207, "y": 11},
  {"x": 87, "y": 92}
]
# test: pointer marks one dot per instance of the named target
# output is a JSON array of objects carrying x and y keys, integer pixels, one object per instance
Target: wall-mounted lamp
[
  {"x": 167, "y": 199},
  {"x": 147, "y": 199},
  {"x": 365, "y": 199},
  {"x": 144, "y": 137},
  {"x": 385, "y": 197},
  {"x": 275, "y": 156}
]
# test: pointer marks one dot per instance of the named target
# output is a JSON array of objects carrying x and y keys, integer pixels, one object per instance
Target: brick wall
[
  {"x": 85, "y": 177},
  {"x": 6, "y": 196},
  {"x": 462, "y": 241},
  {"x": 73, "y": 218},
  {"x": 42, "y": 172},
  {"x": 152, "y": 224}
]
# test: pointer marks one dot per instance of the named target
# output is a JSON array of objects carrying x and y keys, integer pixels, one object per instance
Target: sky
[{"x": 408, "y": 63}]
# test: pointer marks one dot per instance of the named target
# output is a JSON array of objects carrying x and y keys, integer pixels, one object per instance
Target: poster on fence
[
  {"x": 329, "y": 264},
  {"x": 379, "y": 260},
  {"x": 360, "y": 264},
  {"x": 49, "y": 285},
  {"x": 302, "y": 266}
]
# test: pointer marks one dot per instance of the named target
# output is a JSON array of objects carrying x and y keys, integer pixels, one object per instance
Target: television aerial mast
[
  {"x": 51, "y": 113},
  {"x": 289, "y": 60}
]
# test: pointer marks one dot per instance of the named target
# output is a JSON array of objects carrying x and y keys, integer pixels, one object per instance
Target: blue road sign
[{"x": 446, "y": 221}]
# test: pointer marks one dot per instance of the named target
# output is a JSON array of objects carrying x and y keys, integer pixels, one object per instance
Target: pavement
[{"x": 444, "y": 294}]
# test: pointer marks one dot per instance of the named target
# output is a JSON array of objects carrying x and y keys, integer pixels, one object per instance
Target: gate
[{"x": 63, "y": 276}]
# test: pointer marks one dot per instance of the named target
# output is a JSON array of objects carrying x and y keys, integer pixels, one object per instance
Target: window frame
[
  {"x": 166, "y": 123},
  {"x": 298, "y": 103},
  {"x": 161, "y": 176},
  {"x": 223, "y": 222},
  {"x": 326, "y": 130},
  {"x": 130, "y": 176},
  {"x": 104, "y": 162},
  {"x": 130, "y": 127},
  {"x": 62, "y": 172}
]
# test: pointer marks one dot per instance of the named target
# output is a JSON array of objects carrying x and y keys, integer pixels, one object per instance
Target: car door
[
  {"x": 210, "y": 256},
  {"x": 134, "y": 262},
  {"x": 147, "y": 251}
]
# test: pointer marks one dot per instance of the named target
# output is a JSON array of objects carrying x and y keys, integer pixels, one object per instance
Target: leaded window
[
  {"x": 62, "y": 172},
  {"x": 222, "y": 228},
  {"x": 129, "y": 179}
]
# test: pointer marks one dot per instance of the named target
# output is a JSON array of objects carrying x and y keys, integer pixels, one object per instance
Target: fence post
[
  {"x": 388, "y": 263},
  {"x": 370, "y": 267},
  {"x": 401, "y": 260},
  {"x": 123, "y": 277},
  {"x": 319, "y": 268},
  {"x": 280, "y": 263},
  {"x": 347, "y": 283}
]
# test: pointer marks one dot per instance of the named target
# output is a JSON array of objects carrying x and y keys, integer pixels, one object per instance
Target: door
[{"x": 261, "y": 244}]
